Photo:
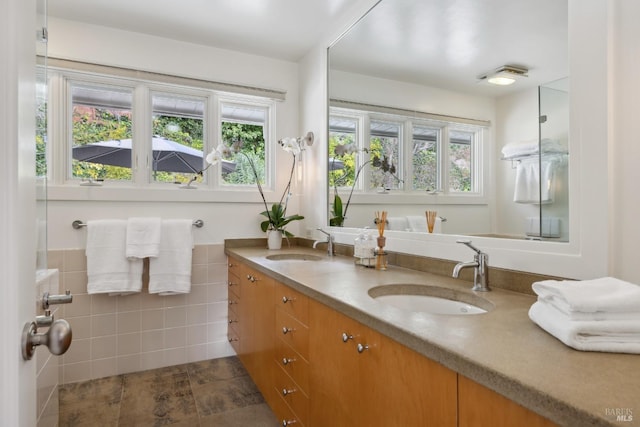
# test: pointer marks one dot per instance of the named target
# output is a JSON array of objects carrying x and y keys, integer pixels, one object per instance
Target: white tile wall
[{"x": 121, "y": 334}]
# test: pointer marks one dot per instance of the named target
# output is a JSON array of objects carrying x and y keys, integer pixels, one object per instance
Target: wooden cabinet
[
  {"x": 291, "y": 356},
  {"x": 317, "y": 367},
  {"x": 233, "y": 300},
  {"x": 251, "y": 321},
  {"x": 360, "y": 377},
  {"x": 479, "y": 406}
]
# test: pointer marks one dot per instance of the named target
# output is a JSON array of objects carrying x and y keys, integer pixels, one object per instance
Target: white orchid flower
[{"x": 213, "y": 157}]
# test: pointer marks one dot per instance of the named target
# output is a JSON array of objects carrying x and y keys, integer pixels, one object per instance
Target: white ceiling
[
  {"x": 443, "y": 43},
  {"x": 282, "y": 29},
  {"x": 448, "y": 44}
]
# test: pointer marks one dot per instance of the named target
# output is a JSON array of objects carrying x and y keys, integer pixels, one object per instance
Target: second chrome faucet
[{"x": 480, "y": 265}]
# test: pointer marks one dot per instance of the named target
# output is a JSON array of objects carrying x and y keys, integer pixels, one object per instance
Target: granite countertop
[{"x": 502, "y": 349}]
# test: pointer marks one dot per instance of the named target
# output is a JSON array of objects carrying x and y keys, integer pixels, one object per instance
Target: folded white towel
[
  {"x": 398, "y": 223},
  {"x": 170, "y": 272},
  {"x": 419, "y": 223},
  {"x": 620, "y": 336},
  {"x": 143, "y": 237},
  {"x": 606, "y": 294},
  {"x": 527, "y": 148},
  {"x": 108, "y": 269}
]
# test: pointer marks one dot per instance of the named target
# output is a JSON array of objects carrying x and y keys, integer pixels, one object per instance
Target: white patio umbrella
[{"x": 168, "y": 156}]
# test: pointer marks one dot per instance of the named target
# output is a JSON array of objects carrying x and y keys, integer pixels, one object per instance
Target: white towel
[
  {"x": 534, "y": 182},
  {"x": 397, "y": 223},
  {"x": 143, "y": 237},
  {"x": 604, "y": 295},
  {"x": 108, "y": 269},
  {"x": 419, "y": 223},
  {"x": 530, "y": 147},
  {"x": 170, "y": 272},
  {"x": 621, "y": 336}
]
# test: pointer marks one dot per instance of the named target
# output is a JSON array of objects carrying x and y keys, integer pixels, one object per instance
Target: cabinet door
[
  {"x": 404, "y": 388},
  {"x": 333, "y": 381},
  {"x": 479, "y": 406}
]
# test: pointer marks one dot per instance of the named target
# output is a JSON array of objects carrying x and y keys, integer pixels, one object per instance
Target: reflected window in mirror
[
  {"x": 425, "y": 157},
  {"x": 377, "y": 153},
  {"x": 384, "y": 153}
]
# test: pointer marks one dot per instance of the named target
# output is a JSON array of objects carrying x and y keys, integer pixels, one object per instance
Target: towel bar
[{"x": 79, "y": 224}]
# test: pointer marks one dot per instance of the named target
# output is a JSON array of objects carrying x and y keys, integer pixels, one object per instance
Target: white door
[{"x": 17, "y": 208}]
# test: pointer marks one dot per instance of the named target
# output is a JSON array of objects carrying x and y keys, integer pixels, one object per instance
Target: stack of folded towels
[{"x": 590, "y": 315}]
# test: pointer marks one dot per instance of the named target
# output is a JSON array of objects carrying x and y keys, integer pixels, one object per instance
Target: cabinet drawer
[
  {"x": 293, "y": 394},
  {"x": 234, "y": 267},
  {"x": 284, "y": 414},
  {"x": 292, "y": 332},
  {"x": 233, "y": 285},
  {"x": 234, "y": 338},
  {"x": 293, "y": 303},
  {"x": 292, "y": 363}
]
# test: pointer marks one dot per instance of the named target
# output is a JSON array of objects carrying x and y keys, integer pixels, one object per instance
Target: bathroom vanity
[{"x": 323, "y": 350}]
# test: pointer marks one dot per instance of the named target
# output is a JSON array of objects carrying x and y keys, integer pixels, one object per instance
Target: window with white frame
[
  {"x": 406, "y": 154},
  {"x": 246, "y": 124},
  {"x": 141, "y": 133},
  {"x": 101, "y": 131}
]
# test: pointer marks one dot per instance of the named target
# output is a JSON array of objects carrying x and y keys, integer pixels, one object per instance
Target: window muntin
[
  {"x": 102, "y": 116},
  {"x": 425, "y": 158},
  {"x": 245, "y": 123},
  {"x": 178, "y": 137},
  {"x": 461, "y": 161},
  {"x": 384, "y": 143}
]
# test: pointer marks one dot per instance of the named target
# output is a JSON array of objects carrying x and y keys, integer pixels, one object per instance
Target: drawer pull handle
[
  {"x": 252, "y": 278},
  {"x": 232, "y": 321},
  {"x": 287, "y": 299},
  {"x": 286, "y": 423},
  {"x": 286, "y": 392},
  {"x": 230, "y": 283},
  {"x": 231, "y": 264},
  {"x": 362, "y": 347},
  {"x": 286, "y": 330},
  {"x": 346, "y": 337},
  {"x": 231, "y": 302},
  {"x": 286, "y": 361},
  {"x": 233, "y": 339}
]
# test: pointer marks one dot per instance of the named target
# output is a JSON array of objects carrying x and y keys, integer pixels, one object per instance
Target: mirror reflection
[{"x": 416, "y": 126}]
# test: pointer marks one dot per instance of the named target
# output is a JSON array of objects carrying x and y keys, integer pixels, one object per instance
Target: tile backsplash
[{"x": 120, "y": 334}]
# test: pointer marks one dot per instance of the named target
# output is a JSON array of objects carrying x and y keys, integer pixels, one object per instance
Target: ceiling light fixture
[{"x": 505, "y": 75}]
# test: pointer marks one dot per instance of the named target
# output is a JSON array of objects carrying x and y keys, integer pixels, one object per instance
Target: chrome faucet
[
  {"x": 329, "y": 242},
  {"x": 480, "y": 265}
]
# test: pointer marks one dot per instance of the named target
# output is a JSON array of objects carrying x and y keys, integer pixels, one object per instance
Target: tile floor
[{"x": 216, "y": 392}]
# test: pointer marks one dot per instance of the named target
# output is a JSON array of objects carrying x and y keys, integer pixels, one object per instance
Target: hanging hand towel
[
  {"x": 606, "y": 294},
  {"x": 143, "y": 237},
  {"x": 620, "y": 336},
  {"x": 108, "y": 269},
  {"x": 528, "y": 185},
  {"x": 170, "y": 272}
]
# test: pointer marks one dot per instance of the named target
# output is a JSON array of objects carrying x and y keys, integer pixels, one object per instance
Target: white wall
[
  {"x": 625, "y": 149},
  {"x": 224, "y": 218}
]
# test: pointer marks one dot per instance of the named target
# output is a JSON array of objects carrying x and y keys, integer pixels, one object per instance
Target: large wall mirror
[{"x": 415, "y": 125}]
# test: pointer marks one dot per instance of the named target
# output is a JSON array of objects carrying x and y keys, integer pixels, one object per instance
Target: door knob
[{"x": 57, "y": 338}]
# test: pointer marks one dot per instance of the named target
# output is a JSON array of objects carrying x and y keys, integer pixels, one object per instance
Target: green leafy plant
[
  {"x": 277, "y": 219},
  {"x": 337, "y": 214}
]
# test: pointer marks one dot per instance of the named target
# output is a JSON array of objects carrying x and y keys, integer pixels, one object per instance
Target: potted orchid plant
[{"x": 276, "y": 215}]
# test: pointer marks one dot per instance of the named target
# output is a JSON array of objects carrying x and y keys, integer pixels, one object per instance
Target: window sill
[
  {"x": 160, "y": 193},
  {"x": 423, "y": 198}
]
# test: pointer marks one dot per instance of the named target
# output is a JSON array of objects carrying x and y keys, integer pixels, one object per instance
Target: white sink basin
[
  {"x": 435, "y": 305},
  {"x": 293, "y": 257},
  {"x": 430, "y": 299}
]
